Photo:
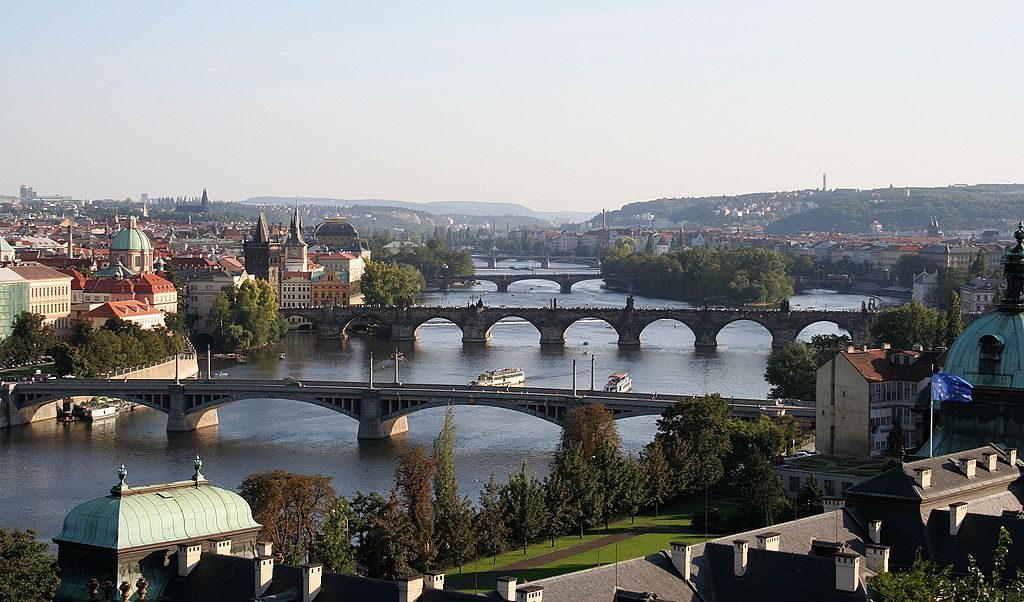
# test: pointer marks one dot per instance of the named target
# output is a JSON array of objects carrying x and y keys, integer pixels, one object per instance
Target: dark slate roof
[
  {"x": 228, "y": 578},
  {"x": 797, "y": 536},
  {"x": 774, "y": 576},
  {"x": 654, "y": 574},
  {"x": 977, "y": 536},
  {"x": 947, "y": 479}
]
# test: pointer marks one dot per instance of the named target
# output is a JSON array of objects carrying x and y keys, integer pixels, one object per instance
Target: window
[
  {"x": 794, "y": 483},
  {"x": 991, "y": 350},
  {"x": 830, "y": 487}
]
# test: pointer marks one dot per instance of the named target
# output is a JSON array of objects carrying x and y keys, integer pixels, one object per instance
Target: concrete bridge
[
  {"x": 381, "y": 411},
  {"x": 543, "y": 260},
  {"x": 476, "y": 322},
  {"x": 565, "y": 280}
]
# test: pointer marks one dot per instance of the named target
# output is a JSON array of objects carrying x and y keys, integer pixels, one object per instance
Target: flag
[{"x": 947, "y": 387}]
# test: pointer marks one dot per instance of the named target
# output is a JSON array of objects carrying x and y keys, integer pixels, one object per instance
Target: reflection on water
[{"x": 49, "y": 467}]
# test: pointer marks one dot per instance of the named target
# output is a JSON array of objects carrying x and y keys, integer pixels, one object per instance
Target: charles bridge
[
  {"x": 191, "y": 404},
  {"x": 544, "y": 260},
  {"x": 565, "y": 280},
  {"x": 476, "y": 322}
]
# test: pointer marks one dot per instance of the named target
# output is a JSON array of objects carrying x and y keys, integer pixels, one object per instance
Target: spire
[
  {"x": 205, "y": 201},
  {"x": 262, "y": 233},
  {"x": 295, "y": 230}
]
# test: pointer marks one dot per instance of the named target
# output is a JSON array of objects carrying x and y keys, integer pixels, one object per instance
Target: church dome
[
  {"x": 131, "y": 238},
  {"x": 988, "y": 353}
]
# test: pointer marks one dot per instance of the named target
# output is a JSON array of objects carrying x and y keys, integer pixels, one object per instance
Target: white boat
[
  {"x": 99, "y": 412},
  {"x": 506, "y": 377},
  {"x": 619, "y": 382}
]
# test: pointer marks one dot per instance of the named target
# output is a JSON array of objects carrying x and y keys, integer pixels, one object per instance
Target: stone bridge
[
  {"x": 476, "y": 322},
  {"x": 381, "y": 411},
  {"x": 543, "y": 260},
  {"x": 565, "y": 280}
]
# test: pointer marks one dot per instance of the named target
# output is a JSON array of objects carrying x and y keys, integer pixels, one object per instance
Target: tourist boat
[
  {"x": 220, "y": 374},
  {"x": 619, "y": 382},
  {"x": 99, "y": 412},
  {"x": 506, "y": 377}
]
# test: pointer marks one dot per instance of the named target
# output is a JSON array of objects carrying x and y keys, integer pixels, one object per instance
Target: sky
[{"x": 555, "y": 105}]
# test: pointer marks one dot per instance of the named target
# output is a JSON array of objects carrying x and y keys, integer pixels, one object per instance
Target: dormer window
[{"x": 991, "y": 351}]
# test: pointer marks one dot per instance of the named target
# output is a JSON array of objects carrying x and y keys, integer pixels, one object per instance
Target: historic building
[
  {"x": 262, "y": 256},
  {"x": 336, "y": 233},
  {"x": 294, "y": 250},
  {"x": 202, "y": 206},
  {"x": 132, "y": 249}
]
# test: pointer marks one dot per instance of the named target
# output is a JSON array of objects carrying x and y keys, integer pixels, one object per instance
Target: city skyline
[{"x": 574, "y": 107}]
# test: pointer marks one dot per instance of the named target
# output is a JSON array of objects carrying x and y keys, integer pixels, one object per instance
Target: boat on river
[
  {"x": 506, "y": 377},
  {"x": 619, "y": 382}
]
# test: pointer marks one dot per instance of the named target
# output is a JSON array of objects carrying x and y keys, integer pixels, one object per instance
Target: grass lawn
[{"x": 674, "y": 523}]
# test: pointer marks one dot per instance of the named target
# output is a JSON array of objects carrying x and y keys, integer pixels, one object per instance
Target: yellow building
[
  {"x": 49, "y": 295},
  {"x": 332, "y": 290}
]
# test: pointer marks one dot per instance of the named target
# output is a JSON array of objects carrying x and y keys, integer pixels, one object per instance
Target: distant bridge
[
  {"x": 476, "y": 322},
  {"x": 381, "y": 412},
  {"x": 565, "y": 280},
  {"x": 543, "y": 260}
]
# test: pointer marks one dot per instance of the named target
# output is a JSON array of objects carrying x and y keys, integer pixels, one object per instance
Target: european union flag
[{"x": 947, "y": 387}]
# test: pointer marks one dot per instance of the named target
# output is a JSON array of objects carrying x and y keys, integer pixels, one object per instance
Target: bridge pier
[
  {"x": 178, "y": 421},
  {"x": 502, "y": 285},
  {"x": 705, "y": 339},
  {"x": 546, "y": 263},
  {"x": 403, "y": 333},
  {"x": 552, "y": 335},
  {"x": 371, "y": 426},
  {"x": 629, "y": 339},
  {"x": 566, "y": 287},
  {"x": 492, "y": 262}
]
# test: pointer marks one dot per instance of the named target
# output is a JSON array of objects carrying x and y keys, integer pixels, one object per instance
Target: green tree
[
  {"x": 579, "y": 475},
  {"x": 334, "y": 541},
  {"x": 826, "y": 346},
  {"x": 29, "y": 339},
  {"x": 365, "y": 508},
  {"x": 979, "y": 267},
  {"x": 905, "y": 326},
  {"x": 291, "y": 507},
  {"x": 764, "y": 435},
  {"x": 592, "y": 426},
  {"x": 761, "y": 500},
  {"x": 27, "y": 569},
  {"x": 390, "y": 283},
  {"x": 792, "y": 372},
  {"x": 413, "y": 479},
  {"x": 453, "y": 516},
  {"x": 695, "y": 436},
  {"x": 908, "y": 266},
  {"x": 558, "y": 503},
  {"x": 246, "y": 317},
  {"x": 954, "y": 319},
  {"x": 811, "y": 499},
  {"x": 950, "y": 281},
  {"x": 610, "y": 466},
  {"x": 657, "y": 474},
  {"x": 490, "y": 530},
  {"x": 523, "y": 500},
  {"x": 632, "y": 487},
  {"x": 389, "y": 545}
]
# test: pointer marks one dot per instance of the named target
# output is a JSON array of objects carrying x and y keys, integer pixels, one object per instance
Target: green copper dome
[
  {"x": 131, "y": 238},
  {"x": 157, "y": 515}
]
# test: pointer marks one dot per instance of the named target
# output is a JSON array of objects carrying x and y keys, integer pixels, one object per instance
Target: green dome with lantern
[{"x": 131, "y": 238}]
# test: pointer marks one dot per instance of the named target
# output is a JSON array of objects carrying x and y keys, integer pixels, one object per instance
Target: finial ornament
[
  {"x": 198, "y": 464},
  {"x": 1019, "y": 235},
  {"x": 122, "y": 473}
]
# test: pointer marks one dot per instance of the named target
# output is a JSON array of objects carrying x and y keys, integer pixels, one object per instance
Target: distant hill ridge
[{"x": 476, "y": 208}]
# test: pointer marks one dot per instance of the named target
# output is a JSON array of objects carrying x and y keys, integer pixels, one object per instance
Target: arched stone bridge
[
  {"x": 381, "y": 412},
  {"x": 543, "y": 260},
  {"x": 476, "y": 322},
  {"x": 565, "y": 280}
]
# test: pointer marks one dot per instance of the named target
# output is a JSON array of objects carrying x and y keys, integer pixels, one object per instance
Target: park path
[{"x": 466, "y": 580}]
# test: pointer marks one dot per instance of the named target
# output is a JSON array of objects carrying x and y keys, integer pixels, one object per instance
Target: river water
[{"x": 50, "y": 467}]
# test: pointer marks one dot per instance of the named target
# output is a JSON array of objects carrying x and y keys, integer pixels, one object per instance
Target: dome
[
  {"x": 157, "y": 515},
  {"x": 131, "y": 238},
  {"x": 988, "y": 353},
  {"x": 335, "y": 227}
]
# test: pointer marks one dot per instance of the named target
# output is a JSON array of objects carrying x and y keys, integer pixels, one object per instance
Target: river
[{"x": 50, "y": 467}]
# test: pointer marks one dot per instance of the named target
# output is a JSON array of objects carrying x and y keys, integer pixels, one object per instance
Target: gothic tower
[{"x": 294, "y": 251}]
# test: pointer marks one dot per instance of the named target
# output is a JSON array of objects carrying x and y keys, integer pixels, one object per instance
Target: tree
[
  {"x": 954, "y": 319},
  {"x": 979, "y": 267},
  {"x": 292, "y": 509},
  {"x": 905, "y": 326},
  {"x": 826, "y": 346},
  {"x": 334, "y": 541},
  {"x": 365, "y": 508},
  {"x": 908, "y": 266},
  {"x": 453, "y": 516},
  {"x": 523, "y": 501},
  {"x": 763, "y": 435},
  {"x": 792, "y": 372},
  {"x": 559, "y": 511},
  {"x": 246, "y": 317},
  {"x": 923, "y": 581},
  {"x": 632, "y": 494},
  {"x": 490, "y": 531},
  {"x": 761, "y": 499},
  {"x": 27, "y": 569},
  {"x": 592, "y": 426},
  {"x": 413, "y": 479},
  {"x": 610, "y": 467},
  {"x": 811, "y": 499},
  {"x": 390, "y": 283},
  {"x": 580, "y": 478},
  {"x": 29, "y": 338},
  {"x": 950, "y": 281},
  {"x": 388, "y": 548},
  {"x": 657, "y": 474},
  {"x": 695, "y": 435}
]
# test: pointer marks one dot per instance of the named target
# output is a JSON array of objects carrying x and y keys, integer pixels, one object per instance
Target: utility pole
[
  {"x": 574, "y": 378},
  {"x": 209, "y": 353}
]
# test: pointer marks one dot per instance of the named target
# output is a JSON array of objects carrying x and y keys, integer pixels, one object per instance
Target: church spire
[
  {"x": 262, "y": 233},
  {"x": 295, "y": 230}
]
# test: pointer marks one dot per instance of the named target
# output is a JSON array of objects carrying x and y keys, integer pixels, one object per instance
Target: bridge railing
[{"x": 183, "y": 356}]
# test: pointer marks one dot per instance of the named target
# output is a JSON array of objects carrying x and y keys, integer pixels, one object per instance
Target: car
[
  {"x": 294, "y": 383},
  {"x": 68, "y": 376}
]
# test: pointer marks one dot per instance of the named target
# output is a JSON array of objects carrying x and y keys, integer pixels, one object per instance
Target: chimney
[
  {"x": 957, "y": 513},
  {"x": 507, "y": 588},
  {"x": 530, "y": 593},
  {"x": 969, "y": 467},
  {"x": 923, "y": 477},
  {"x": 410, "y": 588},
  {"x": 264, "y": 548},
  {"x": 877, "y": 558},
  {"x": 188, "y": 558},
  {"x": 832, "y": 503},
  {"x": 682, "y": 555},
  {"x": 739, "y": 557},
  {"x": 847, "y": 572},
  {"x": 264, "y": 574},
  {"x": 1011, "y": 456},
  {"x": 875, "y": 531},
  {"x": 434, "y": 580},
  {"x": 71, "y": 246},
  {"x": 312, "y": 573},
  {"x": 768, "y": 541},
  {"x": 222, "y": 547},
  {"x": 886, "y": 346},
  {"x": 990, "y": 460}
]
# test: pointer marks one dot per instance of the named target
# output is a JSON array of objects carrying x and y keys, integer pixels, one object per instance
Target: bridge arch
[
  {"x": 661, "y": 336},
  {"x": 826, "y": 327},
  {"x": 509, "y": 319},
  {"x": 576, "y": 281},
  {"x": 437, "y": 321},
  {"x": 347, "y": 407},
  {"x": 584, "y": 321},
  {"x": 736, "y": 322},
  {"x": 527, "y": 282}
]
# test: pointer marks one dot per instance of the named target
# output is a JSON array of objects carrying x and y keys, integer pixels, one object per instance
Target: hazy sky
[{"x": 574, "y": 105}]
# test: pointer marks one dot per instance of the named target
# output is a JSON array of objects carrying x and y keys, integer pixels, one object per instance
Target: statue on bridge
[
  {"x": 629, "y": 303},
  {"x": 784, "y": 305}
]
